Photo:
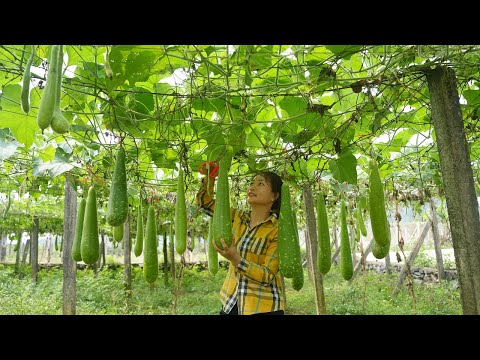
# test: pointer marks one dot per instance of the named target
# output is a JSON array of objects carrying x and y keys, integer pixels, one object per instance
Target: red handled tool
[{"x": 213, "y": 168}]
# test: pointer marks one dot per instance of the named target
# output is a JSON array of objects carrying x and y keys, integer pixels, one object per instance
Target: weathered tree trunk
[
  {"x": 363, "y": 259},
  {"x": 19, "y": 250},
  {"x": 172, "y": 256},
  {"x": 353, "y": 245},
  {"x": 102, "y": 257},
  {"x": 26, "y": 250},
  {"x": 458, "y": 182},
  {"x": 388, "y": 267},
  {"x": 127, "y": 255},
  {"x": 69, "y": 265},
  {"x": 10, "y": 248},
  {"x": 313, "y": 244},
  {"x": 436, "y": 242},
  {"x": 49, "y": 248},
  {"x": 411, "y": 257},
  {"x": 3, "y": 248},
  {"x": 34, "y": 250},
  {"x": 309, "y": 256},
  {"x": 165, "y": 259},
  {"x": 335, "y": 241}
]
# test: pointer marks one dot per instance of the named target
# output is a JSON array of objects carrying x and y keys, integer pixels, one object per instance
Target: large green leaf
[
  {"x": 60, "y": 164},
  {"x": 344, "y": 168},
  {"x": 8, "y": 144},
  {"x": 344, "y": 51},
  {"x": 22, "y": 126}
]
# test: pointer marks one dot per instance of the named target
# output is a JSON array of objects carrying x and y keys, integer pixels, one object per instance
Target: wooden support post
[
  {"x": 19, "y": 250},
  {"x": 335, "y": 241},
  {"x": 127, "y": 256},
  {"x": 34, "y": 250},
  {"x": 312, "y": 243},
  {"x": 172, "y": 253},
  {"x": 69, "y": 265},
  {"x": 357, "y": 267},
  {"x": 411, "y": 257},
  {"x": 165, "y": 258},
  {"x": 353, "y": 245},
  {"x": 436, "y": 242},
  {"x": 309, "y": 256}
]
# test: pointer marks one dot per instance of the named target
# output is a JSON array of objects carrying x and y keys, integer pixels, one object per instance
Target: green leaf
[
  {"x": 261, "y": 58},
  {"x": 344, "y": 51},
  {"x": 138, "y": 65},
  {"x": 253, "y": 136},
  {"x": 472, "y": 96},
  {"x": 58, "y": 166},
  {"x": 8, "y": 144},
  {"x": 22, "y": 126},
  {"x": 344, "y": 168}
]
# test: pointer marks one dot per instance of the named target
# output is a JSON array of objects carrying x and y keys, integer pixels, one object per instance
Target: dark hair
[{"x": 276, "y": 184}]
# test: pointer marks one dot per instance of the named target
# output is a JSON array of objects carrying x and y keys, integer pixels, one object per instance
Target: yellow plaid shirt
[{"x": 255, "y": 285}]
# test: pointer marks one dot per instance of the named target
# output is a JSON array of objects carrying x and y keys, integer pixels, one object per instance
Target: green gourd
[
  {"x": 192, "y": 241},
  {"x": 212, "y": 253},
  {"x": 378, "y": 250},
  {"x": 118, "y": 232},
  {"x": 361, "y": 222},
  {"x": 222, "y": 222},
  {"x": 139, "y": 242},
  {"x": 59, "y": 123},
  {"x": 77, "y": 241},
  {"x": 47, "y": 102},
  {"x": 117, "y": 209},
  {"x": 297, "y": 281},
  {"x": 180, "y": 216},
  {"x": 378, "y": 214},
  {"x": 324, "y": 253},
  {"x": 290, "y": 262},
  {"x": 150, "y": 256},
  {"x": 89, "y": 248},
  {"x": 25, "y": 95},
  {"x": 346, "y": 264}
]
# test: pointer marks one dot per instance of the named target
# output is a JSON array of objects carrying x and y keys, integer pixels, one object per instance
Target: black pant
[{"x": 235, "y": 312}]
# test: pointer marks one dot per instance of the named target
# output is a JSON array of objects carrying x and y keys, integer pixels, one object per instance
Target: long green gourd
[
  {"x": 139, "y": 242},
  {"x": 378, "y": 214},
  {"x": 346, "y": 264},
  {"x": 47, "y": 102},
  {"x": 212, "y": 253},
  {"x": 77, "y": 241},
  {"x": 324, "y": 253},
  {"x": 361, "y": 221},
  {"x": 378, "y": 250},
  {"x": 288, "y": 245},
  {"x": 90, "y": 247},
  {"x": 117, "y": 209},
  {"x": 150, "y": 256},
  {"x": 27, "y": 75},
  {"x": 297, "y": 280},
  {"x": 59, "y": 123},
  {"x": 180, "y": 215},
  {"x": 222, "y": 222}
]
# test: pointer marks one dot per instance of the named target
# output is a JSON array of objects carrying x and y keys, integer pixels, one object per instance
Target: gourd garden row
[{"x": 353, "y": 130}]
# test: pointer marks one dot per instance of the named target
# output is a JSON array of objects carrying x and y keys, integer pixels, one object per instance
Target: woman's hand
[{"x": 228, "y": 252}]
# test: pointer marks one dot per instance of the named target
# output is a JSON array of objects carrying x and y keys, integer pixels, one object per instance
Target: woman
[{"x": 253, "y": 284}]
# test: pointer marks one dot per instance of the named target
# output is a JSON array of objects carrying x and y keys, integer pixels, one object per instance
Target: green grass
[{"x": 104, "y": 293}]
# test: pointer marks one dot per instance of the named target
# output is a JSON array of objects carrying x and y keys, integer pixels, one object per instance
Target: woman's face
[{"x": 260, "y": 191}]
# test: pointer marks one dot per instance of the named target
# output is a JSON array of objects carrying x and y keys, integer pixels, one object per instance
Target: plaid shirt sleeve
[
  {"x": 204, "y": 198},
  {"x": 262, "y": 273}
]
